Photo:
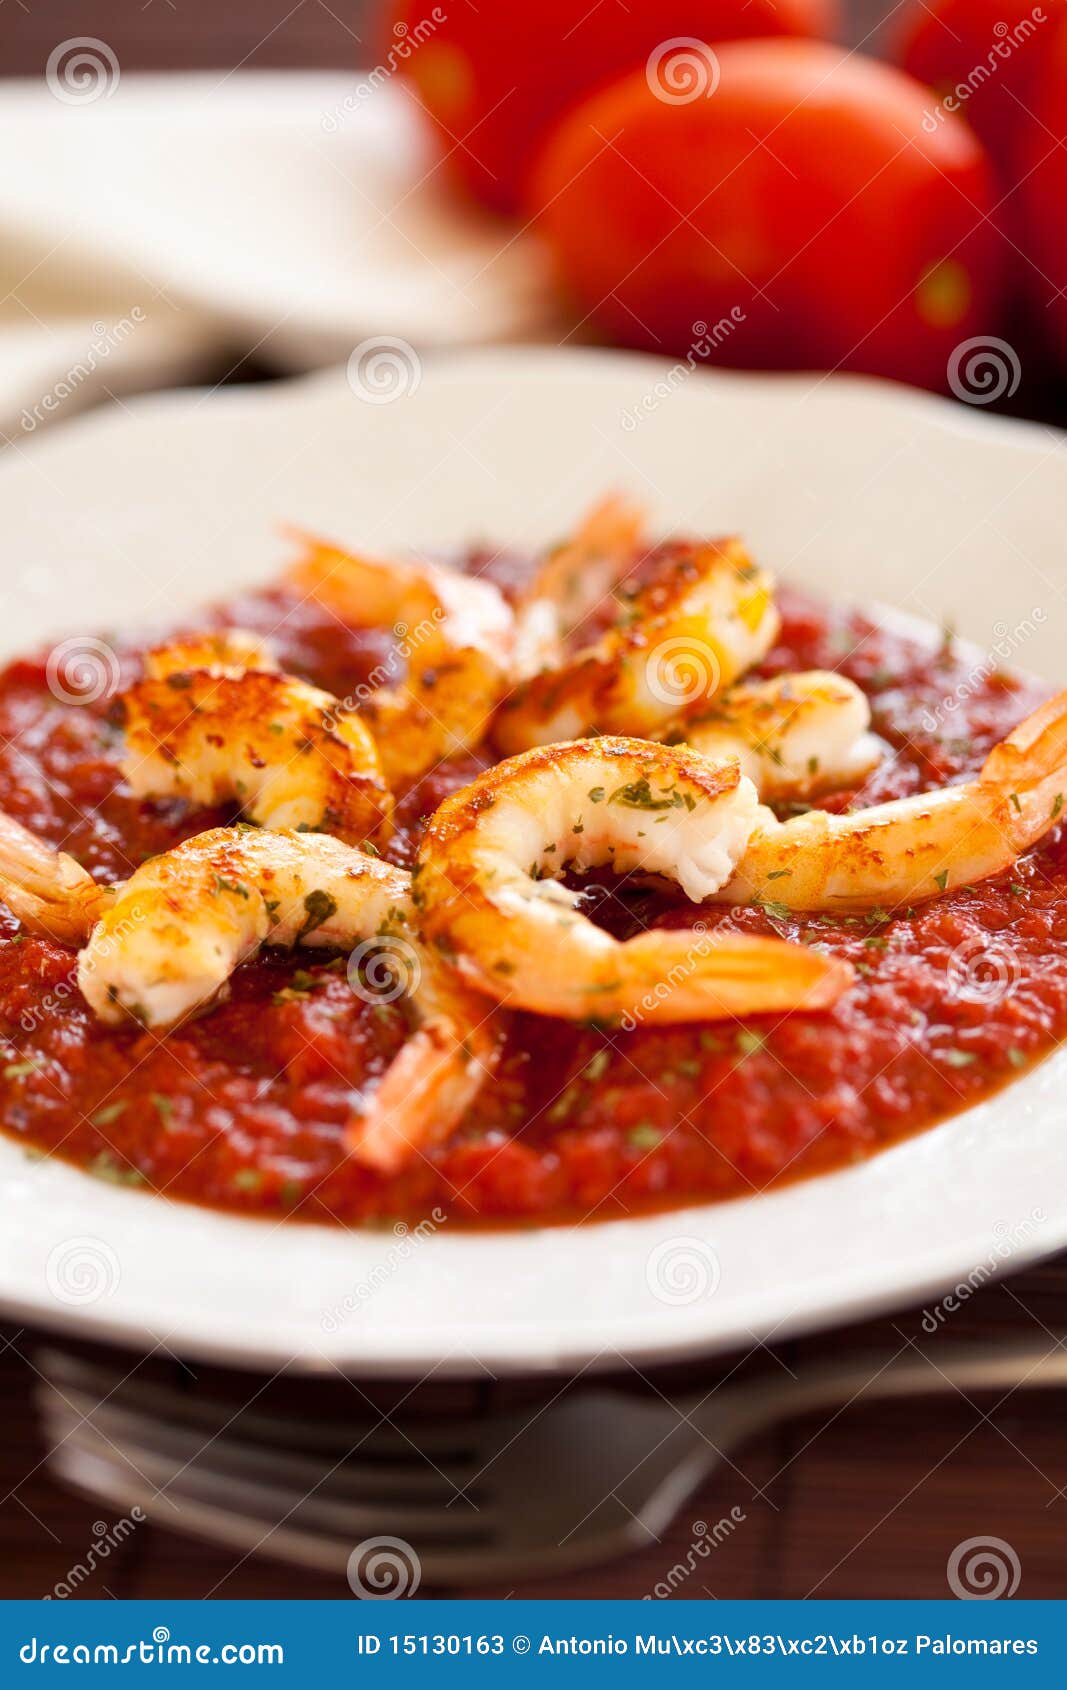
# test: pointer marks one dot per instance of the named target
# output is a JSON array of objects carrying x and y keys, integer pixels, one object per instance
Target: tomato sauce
[{"x": 245, "y": 1107}]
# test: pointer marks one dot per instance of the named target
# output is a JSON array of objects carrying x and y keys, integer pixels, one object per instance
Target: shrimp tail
[
  {"x": 1038, "y": 744},
  {"x": 691, "y": 976},
  {"x": 437, "y": 1074},
  {"x": 1028, "y": 769},
  {"x": 45, "y": 889},
  {"x": 426, "y": 1089}
]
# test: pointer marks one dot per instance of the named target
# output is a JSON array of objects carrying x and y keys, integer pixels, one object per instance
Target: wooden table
[
  {"x": 260, "y": 34},
  {"x": 870, "y": 1502}
]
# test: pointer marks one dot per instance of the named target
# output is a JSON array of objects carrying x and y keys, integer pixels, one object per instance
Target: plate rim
[{"x": 876, "y": 1290}]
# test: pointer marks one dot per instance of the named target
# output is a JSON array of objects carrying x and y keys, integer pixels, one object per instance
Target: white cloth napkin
[{"x": 155, "y": 229}]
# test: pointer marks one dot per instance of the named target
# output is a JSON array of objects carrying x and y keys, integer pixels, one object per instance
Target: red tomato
[
  {"x": 802, "y": 212},
  {"x": 493, "y": 77},
  {"x": 981, "y": 58},
  {"x": 1043, "y": 195}
]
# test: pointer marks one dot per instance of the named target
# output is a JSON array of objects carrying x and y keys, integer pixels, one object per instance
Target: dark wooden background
[
  {"x": 870, "y": 1502},
  {"x": 202, "y": 34}
]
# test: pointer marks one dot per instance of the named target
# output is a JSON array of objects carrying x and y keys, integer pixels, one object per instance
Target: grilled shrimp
[
  {"x": 706, "y": 616},
  {"x": 573, "y": 580},
  {"x": 170, "y": 938},
  {"x": 455, "y": 632},
  {"x": 795, "y": 736},
  {"x": 47, "y": 890},
  {"x": 224, "y": 649},
  {"x": 912, "y": 849},
  {"x": 486, "y": 897},
  {"x": 290, "y": 754}
]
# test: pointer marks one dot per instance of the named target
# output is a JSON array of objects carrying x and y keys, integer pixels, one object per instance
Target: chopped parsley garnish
[
  {"x": 959, "y": 1058},
  {"x": 777, "y": 912},
  {"x": 644, "y": 1136},
  {"x": 748, "y": 1042},
  {"x": 22, "y": 1070},
  {"x": 107, "y": 1168},
  {"x": 110, "y": 1112},
  {"x": 320, "y": 907},
  {"x": 562, "y": 1106},
  {"x": 224, "y": 885},
  {"x": 637, "y": 795}
]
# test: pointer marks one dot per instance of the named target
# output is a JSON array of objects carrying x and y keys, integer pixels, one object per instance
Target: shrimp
[
  {"x": 172, "y": 935},
  {"x": 290, "y": 754},
  {"x": 444, "y": 712},
  {"x": 795, "y": 736},
  {"x": 455, "y": 632},
  {"x": 225, "y": 650},
  {"x": 483, "y": 888},
  {"x": 687, "y": 634},
  {"x": 573, "y": 579},
  {"x": 913, "y": 849},
  {"x": 48, "y": 892}
]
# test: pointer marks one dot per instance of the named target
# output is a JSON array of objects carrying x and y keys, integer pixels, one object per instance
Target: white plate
[{"x": 852, "y": 487}]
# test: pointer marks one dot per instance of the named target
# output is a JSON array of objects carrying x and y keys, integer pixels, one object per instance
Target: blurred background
[
  {"x": 192, "y": 34},
  {"x": 464, "y": 173},
  {"x": 260, "y": 34}
]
